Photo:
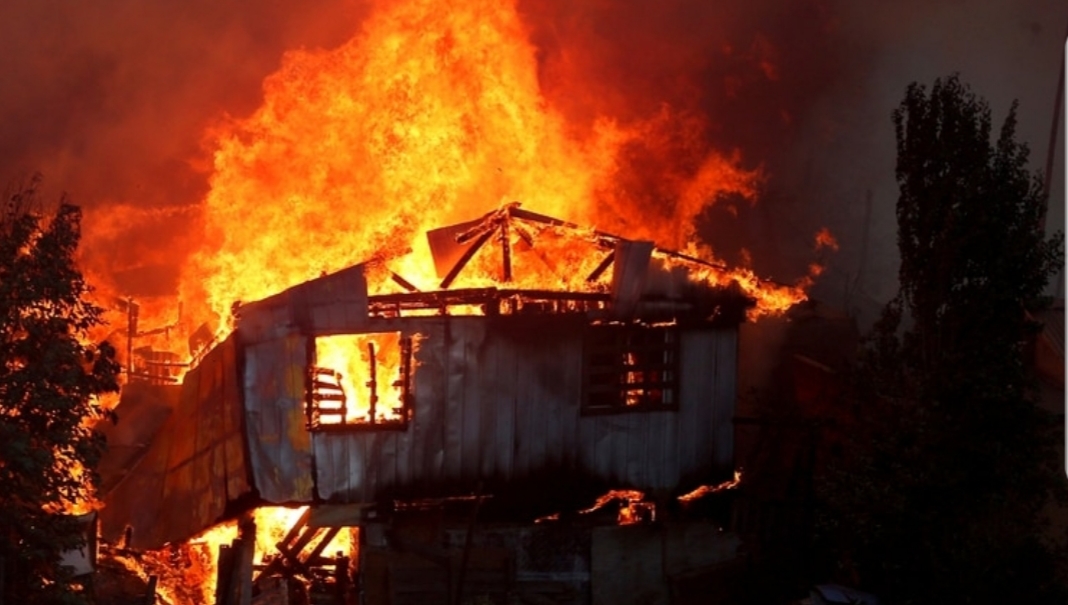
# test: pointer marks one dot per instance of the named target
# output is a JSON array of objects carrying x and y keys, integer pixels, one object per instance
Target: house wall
[
  {"x": 497, "y": 400},
  {"x": 194, "y": 466}
]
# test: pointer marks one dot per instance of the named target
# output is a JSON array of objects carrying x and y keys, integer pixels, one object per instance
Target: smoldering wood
[
  {"x": 468, "y": 254},
  {"x": 400, "y": 281},
  {"x": 150, "y": 590},
  {"x": 601, "y": 267}
]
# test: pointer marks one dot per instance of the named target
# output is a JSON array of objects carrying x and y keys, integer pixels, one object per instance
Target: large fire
[{"x": 432, "y": 114}]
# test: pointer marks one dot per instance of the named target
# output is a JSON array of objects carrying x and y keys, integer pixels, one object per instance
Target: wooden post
[
  {"x": 244, "y": 547},
  {"x": 150, "y": 593},
  {"x": 341, "y": 577},
  {"x": 506, "y": 251},
  {"x": 373, "y": 383},
  {"x": 224, "y": 570}
]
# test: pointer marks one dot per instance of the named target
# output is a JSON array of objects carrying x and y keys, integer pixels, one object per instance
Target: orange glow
[
  {"x": 431, "y": 115},
  {"x": 824, "y": 239},
  {"x": 272, "y": 524},
  {"x": 350, "y": 357},
  {"x": 626, "y": 495},
  {"x": 704, "y": 490}
]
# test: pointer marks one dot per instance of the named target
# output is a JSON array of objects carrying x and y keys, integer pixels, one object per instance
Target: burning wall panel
[
  {"x": 499, "y": 399},
  {"x": 194, "y": 466},
  {"x": 279, "y": 445},
  {"x": 330, "y": 304}
]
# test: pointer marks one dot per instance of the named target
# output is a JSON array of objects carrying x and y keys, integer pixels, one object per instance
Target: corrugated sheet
[
  {"x": 330, "y": 304},
  {"x": 279, "y": 445},
  {"x": 195, "y": 465},
  {"x": 499, "y": 399},
  {"x": 629, "y": 272}
]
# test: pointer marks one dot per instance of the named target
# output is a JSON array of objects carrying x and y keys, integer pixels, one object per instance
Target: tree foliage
[
  {"x": 940, "y": 492},
  {"x": 50, "y": 378}
]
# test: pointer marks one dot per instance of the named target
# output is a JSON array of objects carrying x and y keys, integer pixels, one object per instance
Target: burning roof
[{"x": 642, "y": 353}]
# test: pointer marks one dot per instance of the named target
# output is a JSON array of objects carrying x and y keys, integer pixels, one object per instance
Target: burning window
[
  {"x": 360, "y": 380},
  {"x": 630, "y": 368}
]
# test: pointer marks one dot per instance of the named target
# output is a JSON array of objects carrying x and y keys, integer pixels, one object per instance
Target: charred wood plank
[
  {"x": 506, "y": 252},
  {"x": 463, "y": 260},
  {"x": 602, "y": 267},
  {"x": 400, "y": 281}
]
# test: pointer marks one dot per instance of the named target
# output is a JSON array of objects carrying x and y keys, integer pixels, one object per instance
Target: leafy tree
[
  {"x": 50, "y": 378},
  {"x": 938, "y": 494}
]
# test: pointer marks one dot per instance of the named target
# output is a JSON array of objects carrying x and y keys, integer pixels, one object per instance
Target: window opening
[
  {"x": 630, "y": 368},
  {"x": 360, "y": 381}
]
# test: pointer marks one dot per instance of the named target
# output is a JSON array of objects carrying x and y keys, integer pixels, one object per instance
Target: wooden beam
[{"x": 462, "y": 262}]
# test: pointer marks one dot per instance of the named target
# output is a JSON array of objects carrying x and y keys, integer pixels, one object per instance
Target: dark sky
[{"x": 110, "y": 101}]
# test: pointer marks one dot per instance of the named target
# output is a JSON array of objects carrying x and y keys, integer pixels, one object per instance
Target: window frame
[
  {"x": 626, "y": 344},
  {"x": 311, "y": 414}
]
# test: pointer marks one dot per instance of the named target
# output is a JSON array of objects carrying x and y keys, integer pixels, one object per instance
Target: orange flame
[
  {"x": 824, "y": 239},
  {"x": 272, "y": 524},
  {"x": 431, "y": 115}
]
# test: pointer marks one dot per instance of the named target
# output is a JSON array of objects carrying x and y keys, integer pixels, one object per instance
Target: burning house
[{"x": 533, "y": 398}]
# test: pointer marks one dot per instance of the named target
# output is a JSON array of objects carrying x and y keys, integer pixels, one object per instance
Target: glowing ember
[
  {"x": 824, "y": 239},
  {"x": 704, "y": 490}
]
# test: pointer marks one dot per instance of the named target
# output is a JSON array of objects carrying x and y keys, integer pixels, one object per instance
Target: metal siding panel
[
  {"x": 279, "y": 445},
  {"x": 428, "y": 402},
  {"x": 404, "y": 458},
  {"x": 623, "y": 428},
  {"x": 705, "y": 438},
  {"x": 210, "y": 486},
  {"x": 638, "y": 439},
  {"x": 522, "y": 391},
  {"x": 503, "y": 382},
  {"x": 568, "y": 414},
  {"x": 372, "y": 461},
  {"x": 556, "y": 406},
  {"x": 331, "y": 464},
  {"x": 455, "y": 400},
  {"x": 597, "y": 434},
  {"x": 724, "y": 401},
  {"x": 695, "y": 377},
  {"x": 482, "y": 381},
  {"x": 471, "y": 440},
  {"x": 387, "y": 465},
  {"x": 363, "y": 487},
  {"x": 233, "y": 449}
]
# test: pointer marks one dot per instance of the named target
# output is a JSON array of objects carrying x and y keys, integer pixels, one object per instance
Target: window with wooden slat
[
  {"x": 360, "y": 381},
  {"x": 630, "y": 368}
]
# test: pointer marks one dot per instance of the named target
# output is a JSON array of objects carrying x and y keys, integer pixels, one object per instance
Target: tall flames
[{"x": 432, "y": 114}]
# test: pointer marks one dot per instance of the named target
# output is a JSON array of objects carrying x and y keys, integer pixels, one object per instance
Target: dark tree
[
  {"x": 50, "y": 378},
  {"x": 939, "y": 494}
]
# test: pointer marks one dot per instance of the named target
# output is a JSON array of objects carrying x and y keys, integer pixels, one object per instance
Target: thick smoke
[
  {"x": 110, "y": 101},
  {"x": 804, "y": 90}
]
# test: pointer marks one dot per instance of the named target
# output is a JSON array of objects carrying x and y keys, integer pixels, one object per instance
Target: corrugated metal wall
[
  {"x": 278, "y": 444},
  {"x": 498, "y": 399},
  {"x": 195, "y": 465}
]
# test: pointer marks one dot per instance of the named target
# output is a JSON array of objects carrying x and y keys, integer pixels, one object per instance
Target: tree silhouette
[
  {"x": 938, "y": 496},
  {"x": 50, "y": 378}
]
